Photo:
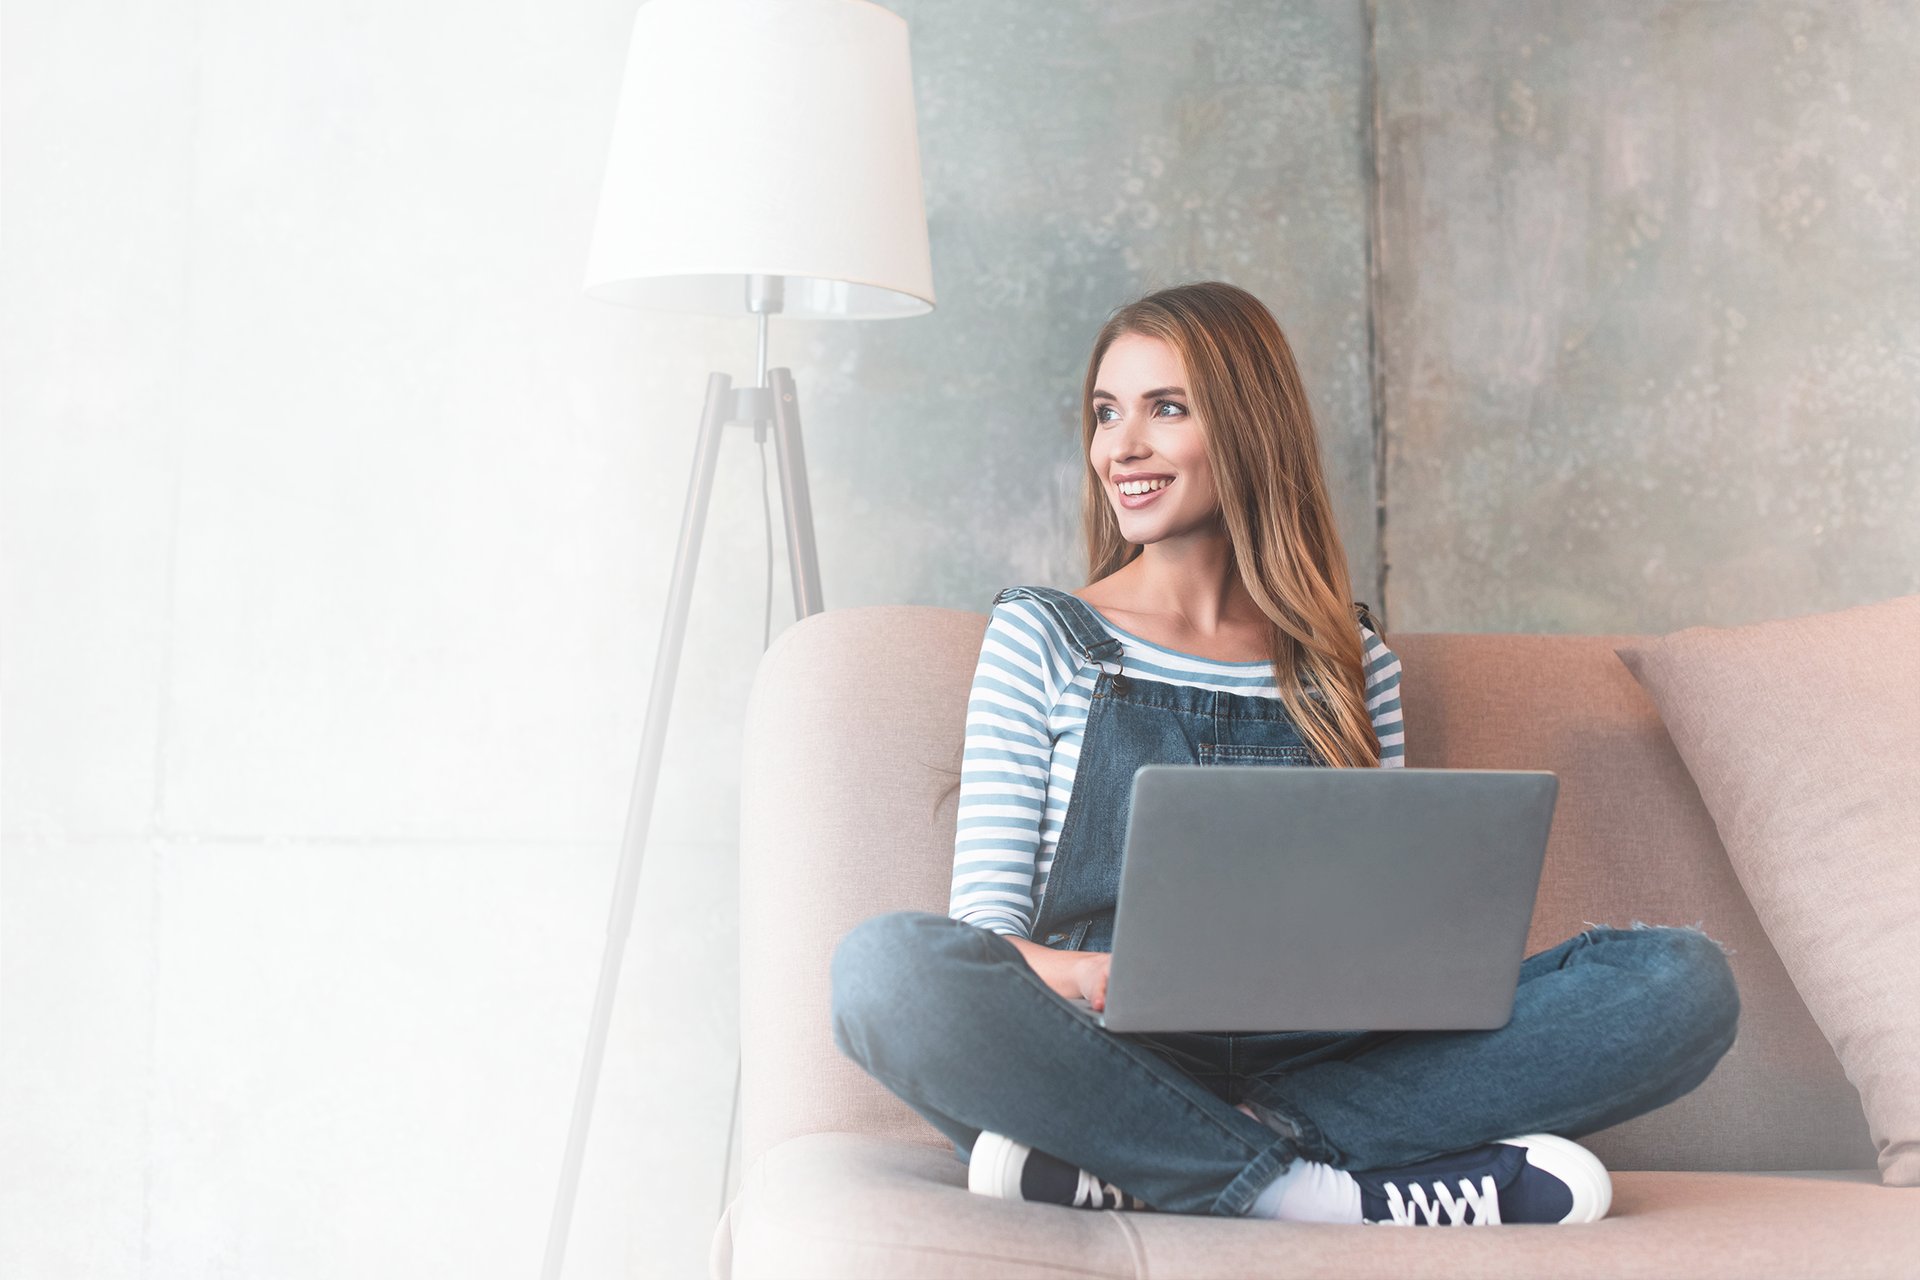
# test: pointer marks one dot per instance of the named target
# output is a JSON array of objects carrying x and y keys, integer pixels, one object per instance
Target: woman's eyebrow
[{"x": 1144, "y": 395}]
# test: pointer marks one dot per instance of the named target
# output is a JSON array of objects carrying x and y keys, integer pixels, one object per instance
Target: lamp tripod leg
[
  {"x": 803, "y": 567},
  {"x": 779, "y": 400},
  {"x": 802, "y": 559},
  {"x": 666, "y": 666}
]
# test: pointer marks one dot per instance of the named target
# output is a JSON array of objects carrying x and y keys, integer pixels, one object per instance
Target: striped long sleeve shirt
[{"x": 1026, "y": 714}]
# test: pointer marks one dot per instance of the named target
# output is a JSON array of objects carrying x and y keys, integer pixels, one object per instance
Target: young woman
[{"x": 1216, "y": 627}]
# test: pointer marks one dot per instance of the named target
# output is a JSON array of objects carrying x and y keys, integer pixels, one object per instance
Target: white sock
[{"x": 1308, "y": 1191}]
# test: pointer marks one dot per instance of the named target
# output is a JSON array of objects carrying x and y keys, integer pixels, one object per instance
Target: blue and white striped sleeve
[
  {"x": 1003, "y": 776},
  {"x": 1383, "y": 699}
]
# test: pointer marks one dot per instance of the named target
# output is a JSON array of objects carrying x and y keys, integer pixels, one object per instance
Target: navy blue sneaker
[
  {"x": 1538, "y": 1177},
  {"x": 1011, "y": 1170}
]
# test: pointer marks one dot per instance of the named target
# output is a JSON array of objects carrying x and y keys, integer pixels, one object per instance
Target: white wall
[{"x": 338, "y": 526}]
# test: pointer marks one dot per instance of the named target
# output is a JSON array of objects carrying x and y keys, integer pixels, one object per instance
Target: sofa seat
[{"x": 841, "y": 1205}]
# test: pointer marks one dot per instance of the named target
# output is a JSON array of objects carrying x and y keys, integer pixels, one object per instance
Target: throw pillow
[{"x": 1803, "y": 735}]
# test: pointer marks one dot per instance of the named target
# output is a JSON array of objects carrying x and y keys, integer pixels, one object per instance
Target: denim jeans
[{"x": 1607, "y": 1025}]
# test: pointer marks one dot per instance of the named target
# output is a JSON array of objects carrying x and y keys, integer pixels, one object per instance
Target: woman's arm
[
  {"x": 1003, "y": 779},
  {"x": 1383, "y": 699}
]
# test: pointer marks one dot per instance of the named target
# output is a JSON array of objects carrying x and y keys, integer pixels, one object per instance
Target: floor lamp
[{"x": 764, "y": 159}]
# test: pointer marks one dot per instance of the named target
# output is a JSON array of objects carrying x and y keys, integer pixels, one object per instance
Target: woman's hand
[
  {"x": 1089, "y": 974},
  {"x": 1067, "y": 973}
]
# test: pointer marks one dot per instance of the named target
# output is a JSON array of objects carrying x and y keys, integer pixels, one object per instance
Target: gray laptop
[{"x": 1256, "y": 898}]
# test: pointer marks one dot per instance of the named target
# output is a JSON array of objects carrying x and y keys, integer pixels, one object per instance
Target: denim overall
[
  {"x": 1606, "y": 1025},
  {"x": 1133, "y": 722}
]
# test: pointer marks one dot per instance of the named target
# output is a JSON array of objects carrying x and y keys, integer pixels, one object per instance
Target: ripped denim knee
[{"x": 1725, "y": 950}]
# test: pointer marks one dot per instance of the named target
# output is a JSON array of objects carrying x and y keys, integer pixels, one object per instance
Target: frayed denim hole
[{"x": 1725, "y": 950}]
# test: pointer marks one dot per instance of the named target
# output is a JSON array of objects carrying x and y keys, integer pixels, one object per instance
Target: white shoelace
[
  {"x": 1095, "y": 1194},
  {"x": 1484, "y": 1203}
]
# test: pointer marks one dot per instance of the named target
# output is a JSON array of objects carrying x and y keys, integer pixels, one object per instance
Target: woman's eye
[{"x": 1100, "y": 414}]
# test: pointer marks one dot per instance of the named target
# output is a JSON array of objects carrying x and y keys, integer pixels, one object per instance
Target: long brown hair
[{"x": 1264, "y": 451}]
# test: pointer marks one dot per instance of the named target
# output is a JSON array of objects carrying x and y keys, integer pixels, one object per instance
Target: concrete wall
[
  {"x": 1649, "y": 312},
  {"x": 338, "y": 523}
]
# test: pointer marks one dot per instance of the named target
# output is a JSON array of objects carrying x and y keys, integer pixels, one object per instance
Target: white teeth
[{"x": 1134, "y": 487}]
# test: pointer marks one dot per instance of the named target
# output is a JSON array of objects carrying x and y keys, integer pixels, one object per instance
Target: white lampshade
[{"x": 765, "y": 137}]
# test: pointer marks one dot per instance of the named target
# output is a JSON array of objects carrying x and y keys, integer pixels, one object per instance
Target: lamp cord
[{"x": 766, "y": 507}]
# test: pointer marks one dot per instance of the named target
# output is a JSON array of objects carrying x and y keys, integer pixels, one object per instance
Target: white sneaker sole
[
  {"x": 1574, "y": 1165},
  {"x": 994, "y": 1167}
]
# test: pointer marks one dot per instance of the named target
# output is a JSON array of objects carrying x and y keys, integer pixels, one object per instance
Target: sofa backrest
[{"x": 851, "y": 750}]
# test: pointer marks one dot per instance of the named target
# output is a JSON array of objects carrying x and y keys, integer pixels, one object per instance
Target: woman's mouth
[{"x": 1132, "y": 501}]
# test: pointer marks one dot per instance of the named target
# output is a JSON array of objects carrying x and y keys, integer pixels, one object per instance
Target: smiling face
[{"x": 1144, "y": 425}]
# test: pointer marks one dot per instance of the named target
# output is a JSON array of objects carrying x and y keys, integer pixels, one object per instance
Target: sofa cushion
[
  {"x": 845, "y": 1205},
  {"x": 1803, "y": 736}
]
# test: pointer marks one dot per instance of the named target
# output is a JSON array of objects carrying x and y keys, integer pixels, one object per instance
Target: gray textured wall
[{"x": 1649, "y": 311}]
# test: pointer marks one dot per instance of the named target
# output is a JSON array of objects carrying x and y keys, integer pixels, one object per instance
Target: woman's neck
[{"x": 1194, "y": 585}]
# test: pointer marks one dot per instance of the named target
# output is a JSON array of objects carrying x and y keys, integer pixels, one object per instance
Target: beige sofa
[{"x": 1765, "y": 1169}]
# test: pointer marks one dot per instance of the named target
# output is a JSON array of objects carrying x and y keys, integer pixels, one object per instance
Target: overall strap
[{"x": 1090, "y": 637}]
